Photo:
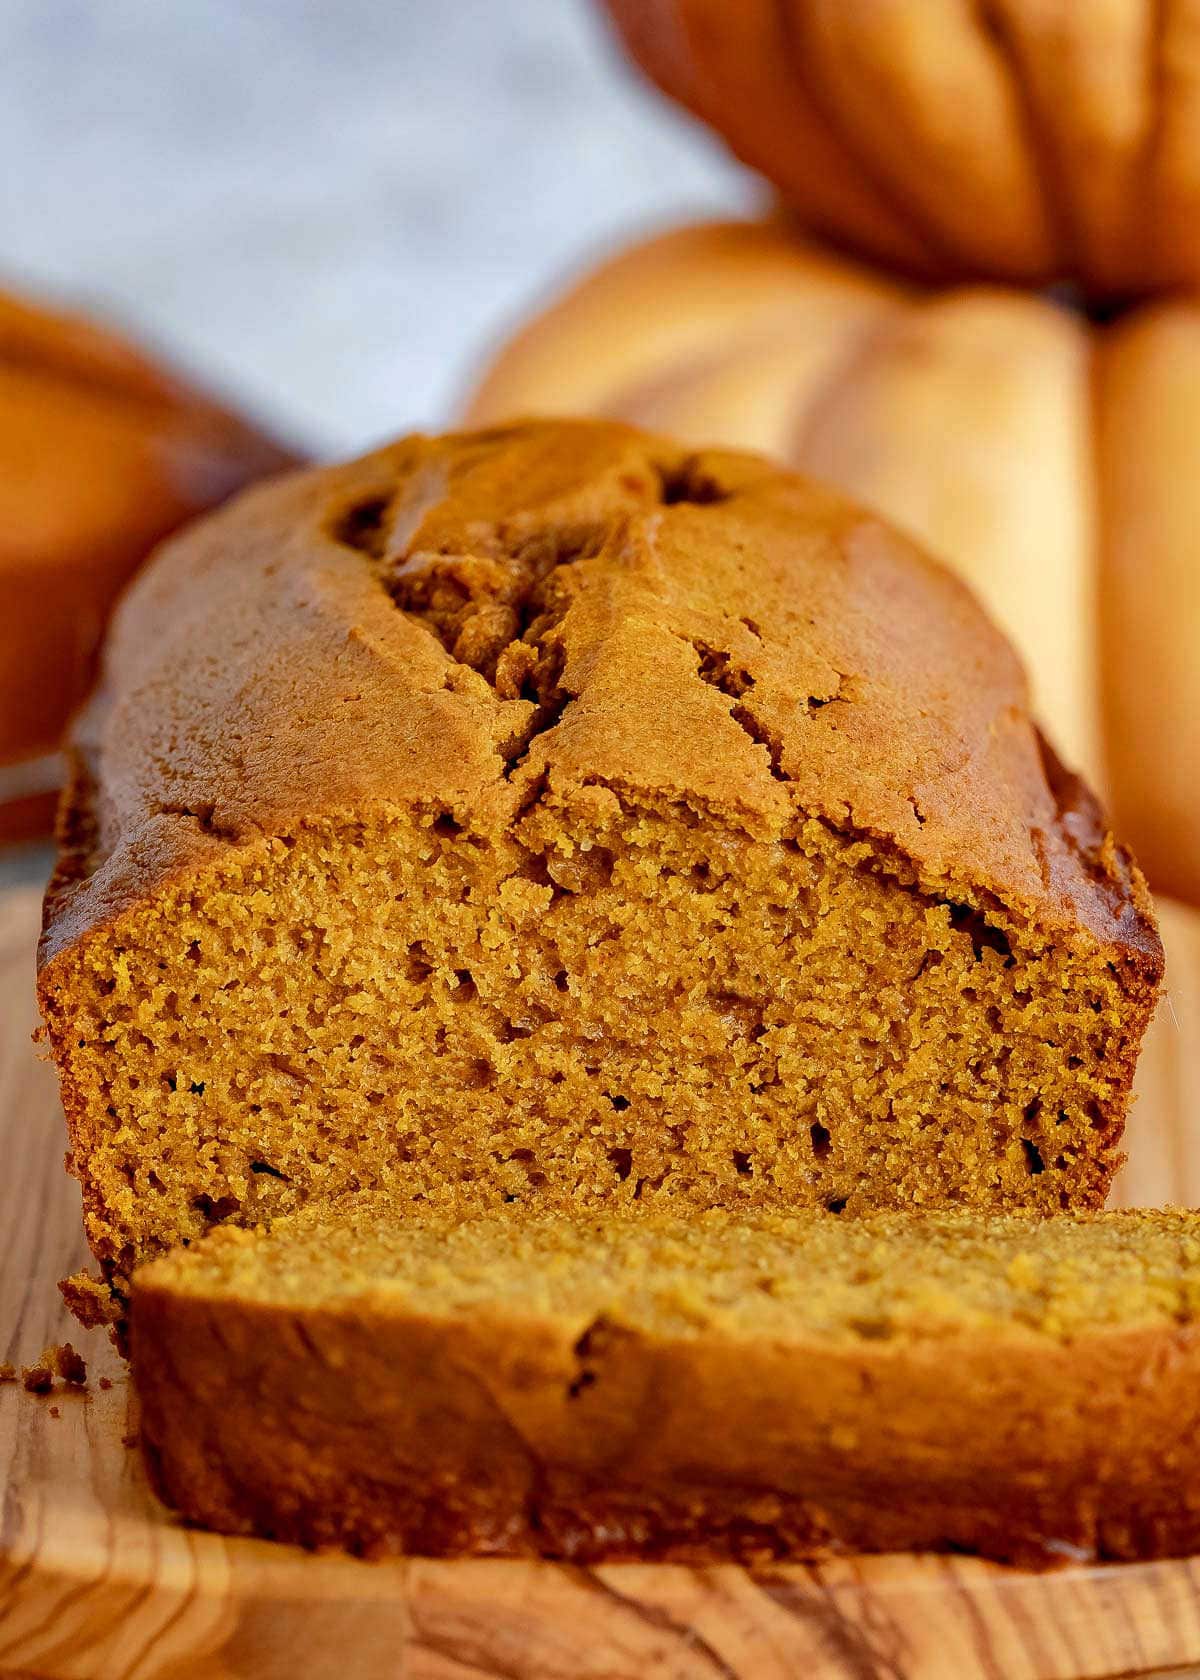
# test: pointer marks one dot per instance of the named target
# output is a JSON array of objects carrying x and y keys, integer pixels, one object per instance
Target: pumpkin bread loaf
[
  {"x": 719, "y": 1386},
  {"x": 551, "y": 816},
  {"x": 102, "y": 454}
]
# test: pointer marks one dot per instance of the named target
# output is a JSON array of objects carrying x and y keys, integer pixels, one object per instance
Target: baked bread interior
[
  {"x": 707, "y": 1387},
  {"x": 552, "y": 816}
]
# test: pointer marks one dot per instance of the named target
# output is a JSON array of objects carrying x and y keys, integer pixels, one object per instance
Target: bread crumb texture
[
  {"x": 59, "y": 1361},
  {"x": 549, "y": 816},
  {"x": 745, "y": 1274}
]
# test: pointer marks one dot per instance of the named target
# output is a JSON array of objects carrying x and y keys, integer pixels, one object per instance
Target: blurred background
[{"x": 329, "y": 208}]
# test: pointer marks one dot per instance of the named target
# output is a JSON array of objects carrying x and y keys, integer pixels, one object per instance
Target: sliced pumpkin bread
[{"x": 715, "y": 1387}]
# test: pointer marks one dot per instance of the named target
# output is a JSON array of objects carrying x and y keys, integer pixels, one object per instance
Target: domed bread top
[{"x": 478, "y": 621}]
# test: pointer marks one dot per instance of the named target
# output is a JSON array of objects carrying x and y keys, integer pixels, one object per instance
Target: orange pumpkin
[
  {"x": 1054, "y": 462},
  {"x": 102, "y": 454},
  {"x": 1017, "y": 139}
]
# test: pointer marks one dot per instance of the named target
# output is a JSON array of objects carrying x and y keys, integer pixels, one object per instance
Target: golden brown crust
[
  {"x": 103, "y": 454},
  {"x": 261, "y": 676},
  {"x": 386, "y": 1418}
]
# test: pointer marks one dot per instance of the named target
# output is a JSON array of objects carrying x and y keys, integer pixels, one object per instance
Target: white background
[{"x": 329, "y": 208}]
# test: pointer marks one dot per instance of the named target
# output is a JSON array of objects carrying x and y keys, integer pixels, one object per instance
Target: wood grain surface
[{"x": 97, "y": 1582}]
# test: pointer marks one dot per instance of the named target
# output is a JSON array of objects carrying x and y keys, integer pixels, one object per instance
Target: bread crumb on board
[
  {"x": 60, "y": 1360},
  {"x": 89, "y": 1299}
]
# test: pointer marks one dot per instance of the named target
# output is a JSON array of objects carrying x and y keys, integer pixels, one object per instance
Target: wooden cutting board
[{"x": 97, "y": 1582}]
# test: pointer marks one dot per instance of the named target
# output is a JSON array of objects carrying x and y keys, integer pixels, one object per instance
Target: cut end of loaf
[{"x": 613, "y": 1005}]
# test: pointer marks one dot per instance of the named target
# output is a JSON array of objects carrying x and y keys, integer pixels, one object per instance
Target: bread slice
[
  {"x": 551, "y": 816},
  {"x": 703, "y": 1388}
]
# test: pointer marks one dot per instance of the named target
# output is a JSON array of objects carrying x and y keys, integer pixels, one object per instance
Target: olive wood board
[{"x": 99, "y": 1582}]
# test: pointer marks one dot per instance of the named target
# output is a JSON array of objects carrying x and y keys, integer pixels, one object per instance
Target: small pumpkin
[
  {"x": 1052, "y": 460},
  {"x": 102, "y": 454},
  {"x": 1022, "y": 140}
]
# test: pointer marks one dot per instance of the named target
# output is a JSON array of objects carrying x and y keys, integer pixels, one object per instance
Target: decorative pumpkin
[
  {"x": 1163, "y": 1163},
  {"x": 1055, "y": 463},
  {"x": 1018, "y": 139},
  {"x": 101, "y": 455}
]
